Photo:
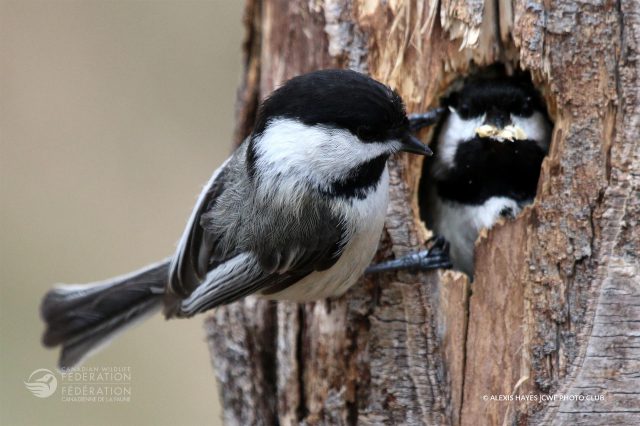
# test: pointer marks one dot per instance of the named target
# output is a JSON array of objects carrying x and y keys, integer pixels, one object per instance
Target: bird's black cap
[
  {"x": 338, "y": 98},
  {"x": 482, "y": 94}
]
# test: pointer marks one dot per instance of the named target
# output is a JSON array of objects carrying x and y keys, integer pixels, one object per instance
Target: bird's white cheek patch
[
  {"x": 316, "y": 153},
  {"x": 535, "y": 128},
  {"x": 455, "y": 132}
]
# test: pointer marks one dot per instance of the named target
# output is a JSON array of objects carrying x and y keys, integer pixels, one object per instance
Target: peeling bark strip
[{"x": 556, "y": 301}]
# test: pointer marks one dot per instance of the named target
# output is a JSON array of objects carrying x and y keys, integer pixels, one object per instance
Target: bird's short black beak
[
  {"x": 413, "y": 145},
  {"x": 497, "y": 118}
]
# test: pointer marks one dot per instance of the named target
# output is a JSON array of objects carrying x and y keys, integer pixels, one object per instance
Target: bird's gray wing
[
  {"x": 267, "y": 270},
  {"x": 232, "y": 248},
  {"x": 188, "y": 268},
  {"x": 234, "y": 279}
]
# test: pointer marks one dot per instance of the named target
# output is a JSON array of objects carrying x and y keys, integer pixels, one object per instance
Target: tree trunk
[{"x": 555, "y": 306}]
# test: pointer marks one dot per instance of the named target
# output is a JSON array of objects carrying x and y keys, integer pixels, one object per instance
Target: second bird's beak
[{"x": 412, "y": 144}]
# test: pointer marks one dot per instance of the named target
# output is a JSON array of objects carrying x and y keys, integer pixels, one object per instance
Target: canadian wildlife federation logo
[
  {"x": 82, "y": 384},
  {"x": 42, "y": 383}
]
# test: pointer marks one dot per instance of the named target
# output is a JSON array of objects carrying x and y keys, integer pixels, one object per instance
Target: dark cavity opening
[{"x": 488, "y": 149}]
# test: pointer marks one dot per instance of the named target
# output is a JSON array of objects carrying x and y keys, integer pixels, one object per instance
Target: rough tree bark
[{"x": 555, "y": 306}]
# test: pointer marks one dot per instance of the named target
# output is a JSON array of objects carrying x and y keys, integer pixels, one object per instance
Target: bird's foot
[
  {"x": 434, "y": 257},
  {"x": 419, "y": 121}
]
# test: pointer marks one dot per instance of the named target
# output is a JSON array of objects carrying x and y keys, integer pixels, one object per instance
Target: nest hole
[{"x": 488, "y": 151}]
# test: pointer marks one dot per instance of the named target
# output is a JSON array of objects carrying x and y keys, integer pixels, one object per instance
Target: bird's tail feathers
[{"x": 84, "y": 318}]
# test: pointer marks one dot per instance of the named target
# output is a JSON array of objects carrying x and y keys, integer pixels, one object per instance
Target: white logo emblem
[{"x": 42, "y": 383}]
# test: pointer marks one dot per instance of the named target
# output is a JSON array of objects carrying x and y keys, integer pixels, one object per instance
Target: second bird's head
[
  {"x": 498, "y": 109},
  {"x": 327, "y": 126}
]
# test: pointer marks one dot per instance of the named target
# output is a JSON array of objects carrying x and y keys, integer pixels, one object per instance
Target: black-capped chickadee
[
  {"x": 295, "y": 213},
  {"x": 488, "y": 151}
]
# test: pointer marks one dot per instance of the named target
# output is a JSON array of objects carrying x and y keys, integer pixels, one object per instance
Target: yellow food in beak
[
  {"x": 509, "y": 133},
  {"x": 512, "y": 133},
  {"x": 487, "y": 131}
]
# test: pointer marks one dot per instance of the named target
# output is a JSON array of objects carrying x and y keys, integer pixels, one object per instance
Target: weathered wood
[{"x": 556, "y": 299}]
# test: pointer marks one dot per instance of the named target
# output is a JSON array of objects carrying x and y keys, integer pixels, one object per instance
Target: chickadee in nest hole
[
  {"x": 295, "y": 213},
  {"x": 488, "y": 149}
]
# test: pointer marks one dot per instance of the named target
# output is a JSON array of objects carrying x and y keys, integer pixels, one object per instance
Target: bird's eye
[
  {"x": 464, "y": 110},
  {"x": 366, "y": 133},
  {"x": 527, "y": 107}
]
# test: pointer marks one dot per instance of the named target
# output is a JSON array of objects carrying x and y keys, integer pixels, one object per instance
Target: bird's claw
[{"x": 434, "y": 257}]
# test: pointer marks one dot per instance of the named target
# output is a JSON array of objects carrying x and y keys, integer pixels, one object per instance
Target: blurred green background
[{"x": 112, "y": 116}]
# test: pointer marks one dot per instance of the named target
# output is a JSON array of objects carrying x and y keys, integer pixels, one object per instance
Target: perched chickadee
[
  {"x": 488, "y": 151},
  {"x": 295, "y": 213}
]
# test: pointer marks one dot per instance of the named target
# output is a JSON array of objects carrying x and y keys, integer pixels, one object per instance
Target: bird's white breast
[
  {"x": 366, "y": 220},
  {"x": 460, "y": 224}
]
